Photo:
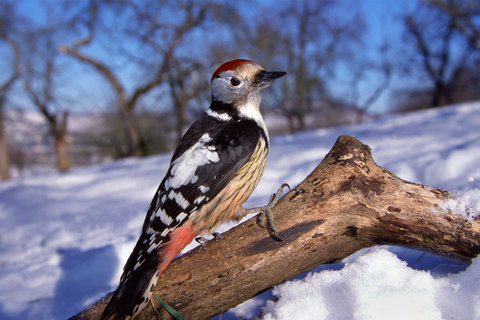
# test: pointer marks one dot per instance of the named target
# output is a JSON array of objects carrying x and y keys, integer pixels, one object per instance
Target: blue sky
[
  {"x": 384, "y": 24},
  {"x": 381, "y": 16}
]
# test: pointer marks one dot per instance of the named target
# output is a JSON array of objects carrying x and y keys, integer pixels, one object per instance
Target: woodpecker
[{"x": 213, "y": 171}]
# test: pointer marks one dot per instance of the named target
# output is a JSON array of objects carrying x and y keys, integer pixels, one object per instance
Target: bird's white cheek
[{"x": 220, "y": 92}]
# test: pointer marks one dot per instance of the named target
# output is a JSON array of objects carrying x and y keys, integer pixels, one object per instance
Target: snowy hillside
[
  {"x": 64, "y": 238},
  {"x": 32, "y": 147}
]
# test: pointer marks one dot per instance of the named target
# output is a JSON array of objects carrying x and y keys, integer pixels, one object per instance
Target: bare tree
[
  {"x": 41, "y": 84},
  {"x": 186, "y": 85},
  {"x": 307, "y": 39},
  {"x": 439, "y": 53},
  {"x": 152, "y": 36},
  {"x": 465, "y": 17},
  {"x": 381, "y": 67},
  {"x": 6, "y": 20}
]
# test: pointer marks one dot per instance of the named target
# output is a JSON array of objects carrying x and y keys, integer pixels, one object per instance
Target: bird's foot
[
  {"x": 266, "y": 212},
  {"x": 203, "y": 241}
]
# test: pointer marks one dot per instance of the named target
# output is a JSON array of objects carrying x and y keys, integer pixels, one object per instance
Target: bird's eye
[{"x": 234, "y": 81}]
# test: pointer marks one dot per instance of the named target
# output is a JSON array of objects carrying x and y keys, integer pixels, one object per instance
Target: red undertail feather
[{"x": 179, "y": 239}]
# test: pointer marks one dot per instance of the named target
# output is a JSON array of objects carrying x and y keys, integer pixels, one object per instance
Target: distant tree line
[
  {"x": 441, "y": 54},
  {"x": 146, "y": 64}
]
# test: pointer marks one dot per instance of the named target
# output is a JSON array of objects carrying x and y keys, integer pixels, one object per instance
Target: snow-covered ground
[{"x": 64, "y": 238}]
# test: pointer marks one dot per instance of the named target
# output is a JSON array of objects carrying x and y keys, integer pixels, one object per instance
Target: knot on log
[
  {"x": 349, "y": 151},
  {"x": 348, "y": 168}
]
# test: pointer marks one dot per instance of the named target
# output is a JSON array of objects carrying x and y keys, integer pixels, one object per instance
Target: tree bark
[
  {"x": 4, "y": 155},
  {"x": 347, "y": 203},
  {"x": 4, "y": 89},
  {"x": 157, "y": 68},
  {"x": 62, "y": 151},
  {"x": 126, "y": 106}
]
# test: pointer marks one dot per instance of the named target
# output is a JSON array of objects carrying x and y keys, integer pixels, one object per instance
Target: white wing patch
[
  {"x": 203, "y": 189},
  {"x": 165, "y": 232},
  {"x": 138, "y": 264},
  {"x": 179, "y": 199},
  {"x": 199, "y": 200},
  {"x": 164, "y": 217},
  {"x": 184, "y": 167},
  {"x": 151, "y": 248},
  {"x": 181, "y": 216}
]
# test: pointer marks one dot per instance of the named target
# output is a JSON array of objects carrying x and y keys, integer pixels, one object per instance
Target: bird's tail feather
[
  {"x": 130, "y": 293},
  {"x": 134, "y": 292}
]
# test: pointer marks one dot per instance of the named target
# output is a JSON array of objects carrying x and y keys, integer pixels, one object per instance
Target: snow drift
[{"x": 65, "y": 237}]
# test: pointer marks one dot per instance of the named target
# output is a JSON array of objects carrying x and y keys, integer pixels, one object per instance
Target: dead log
[{"x": 346, "y": 204}]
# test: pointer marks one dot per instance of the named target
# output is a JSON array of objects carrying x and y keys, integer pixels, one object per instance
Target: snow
[
  {"x": 65, "y": 237},
  {"x": 463, "y": 204},
  {"x": 378, "y": 285}
]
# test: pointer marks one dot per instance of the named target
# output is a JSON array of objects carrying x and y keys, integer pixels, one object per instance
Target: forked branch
[{"x": 347, "y": 203}]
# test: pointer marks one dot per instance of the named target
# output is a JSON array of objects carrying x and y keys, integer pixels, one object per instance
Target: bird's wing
[
  {"x": 208, "y": 161},
  {"x": 203, "y": 163}
]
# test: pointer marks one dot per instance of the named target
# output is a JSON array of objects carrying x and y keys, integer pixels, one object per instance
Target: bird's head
[{"x": 241, "y": 82}]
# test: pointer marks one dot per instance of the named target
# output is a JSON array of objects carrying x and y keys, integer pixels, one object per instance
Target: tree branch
[
  {"x": 100, "y": 67},
  {"x": 191, "y": 22},
  {"x": 4, "y": 87},
  {"x": 386, "y": 70},
  {"x": 424, "y": 50},
  {"x": 347, "y": 203}
]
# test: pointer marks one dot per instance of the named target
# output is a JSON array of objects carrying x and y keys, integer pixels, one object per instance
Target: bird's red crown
[{"x": 229, "y": 66}]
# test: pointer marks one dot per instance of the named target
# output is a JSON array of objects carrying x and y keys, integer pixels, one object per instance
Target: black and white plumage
[{"x": 214, "y": 169}]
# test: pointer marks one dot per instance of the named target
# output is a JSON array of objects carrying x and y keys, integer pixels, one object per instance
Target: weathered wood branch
[{"x": 347, "y": 203}]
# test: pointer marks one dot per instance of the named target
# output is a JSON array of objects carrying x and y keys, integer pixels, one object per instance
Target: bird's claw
[
  {"x": 203, "y": 241},
  {"x": 266, "y": 211},
  {"x": 217, "y": 236}
]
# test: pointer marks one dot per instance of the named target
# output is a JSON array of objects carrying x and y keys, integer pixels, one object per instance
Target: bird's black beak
[
  {"x": 271, "y": 75},
  {"x": 264, "y": 79}
]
